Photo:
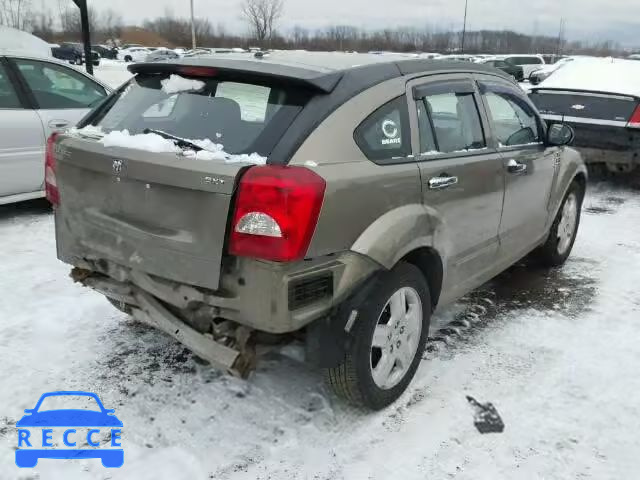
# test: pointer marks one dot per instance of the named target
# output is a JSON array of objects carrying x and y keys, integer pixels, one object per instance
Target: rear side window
[
  {"x": 561, "y": 103},
  {"x": 514, "y": 121},
  {"x": 525, "y": 60},
  {"x": 243, "y": 117},
  {"x": 449, "y": 123},
  {"x": 384, "y": 135}
]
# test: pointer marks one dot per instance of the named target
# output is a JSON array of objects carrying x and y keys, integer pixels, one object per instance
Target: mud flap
[
  {"x": 328, "y": 338},
  {"x": 153, "y": 313}
]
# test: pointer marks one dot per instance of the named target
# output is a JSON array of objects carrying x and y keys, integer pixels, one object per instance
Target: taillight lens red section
[
  {"x": 634, "y": 121},
  {"x": 276, "y": 212},
  {"x": 50, "y": 181}
]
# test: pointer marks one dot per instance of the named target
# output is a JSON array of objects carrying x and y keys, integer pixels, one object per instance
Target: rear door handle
[
  {"x": 58, "y": 124},
  {"x": 439, "y": 183},
  {"x": 515, "y": 167}
]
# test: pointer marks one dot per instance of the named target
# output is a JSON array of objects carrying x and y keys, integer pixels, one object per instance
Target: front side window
[
  {"x": 384, "y": 135},
  {"x": 8, "y": 97},
  {"x": 58, "y": 87},
  {"x": 514, "y": 121},
  {"x": 449, "y": 123}
]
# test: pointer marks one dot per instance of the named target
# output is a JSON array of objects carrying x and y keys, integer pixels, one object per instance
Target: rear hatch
[
  {"x": 600, "y": 120},
  {"x": 132, "y": 194}
]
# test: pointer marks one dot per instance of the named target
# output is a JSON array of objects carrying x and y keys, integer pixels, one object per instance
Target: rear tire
[
  {"x": 128, "y": 58},
  {"x": 564, "y": 229},
  {"x": 397, "y": 346}
]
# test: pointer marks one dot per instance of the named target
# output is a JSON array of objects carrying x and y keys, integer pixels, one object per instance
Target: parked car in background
[
  {"x": 106, "y": 51},
  {"x": 457, "y": 58},
  {"x": 342, "y": 205},
  {"x": 161, "y": 54},
  {"x": 37, "y": 98},
  {"x": 131, "y": 45},
  {"x": 635, "y": 56},
  {"x": 529, "y": 63},
  {"x": 133, "y": 54},
  {"x": 74, "y": 53},
  {"x": 546, "y": 71},
  {"x": 600, "y": 99},
  {"x": 515, "y": 71}
]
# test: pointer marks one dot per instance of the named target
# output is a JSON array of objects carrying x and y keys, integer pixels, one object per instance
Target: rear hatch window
[
  {"x": 556, "y": 104},
  {"x": 238, "y": 116}
]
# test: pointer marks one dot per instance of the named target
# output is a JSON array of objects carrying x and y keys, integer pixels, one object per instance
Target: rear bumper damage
[{"x": 256, "y": 300}]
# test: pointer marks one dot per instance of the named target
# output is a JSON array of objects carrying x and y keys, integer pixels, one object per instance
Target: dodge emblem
[{"x": 117, "y": 166}]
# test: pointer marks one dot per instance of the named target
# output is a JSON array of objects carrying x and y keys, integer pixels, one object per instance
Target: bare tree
[
  {"x": 262, "y": 17},
  {"x": 15, "y": 13},
  {"x": 110, "y": 24}
]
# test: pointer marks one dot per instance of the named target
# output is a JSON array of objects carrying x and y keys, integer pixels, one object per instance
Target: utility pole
[
  {"x": 86, "y": 34},
  {"x": 464, "y": 26},
  {"x": 560, "y": 36},
  {"x": 193, "y": 28}
]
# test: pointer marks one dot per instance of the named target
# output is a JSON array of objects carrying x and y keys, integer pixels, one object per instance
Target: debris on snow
[
  {"x": 486, "y": 417},
  {"x": 176, "y": 84}
]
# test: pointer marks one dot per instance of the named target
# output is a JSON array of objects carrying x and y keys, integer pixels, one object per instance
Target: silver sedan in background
[{"x": 38, "y": 96}]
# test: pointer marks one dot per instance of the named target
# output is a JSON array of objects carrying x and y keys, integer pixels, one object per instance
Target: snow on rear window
[
  {"x": 243, "y": 117},
  {"x": 176, "y": 84}
]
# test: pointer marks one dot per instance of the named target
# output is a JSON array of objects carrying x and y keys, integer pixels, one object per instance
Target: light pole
[
  {"x": 464, "y": 26},
  {"x": 193, "y": 29}
]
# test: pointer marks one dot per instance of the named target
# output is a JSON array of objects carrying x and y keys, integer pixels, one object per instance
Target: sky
[{"x": 585, "y": 19}]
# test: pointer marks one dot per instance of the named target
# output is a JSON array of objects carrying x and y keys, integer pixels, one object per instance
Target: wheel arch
[{"x": 429, "y": 262}]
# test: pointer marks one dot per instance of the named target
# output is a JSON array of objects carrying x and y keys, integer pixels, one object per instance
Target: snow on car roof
[
  {"x": 14, "y": 41},
  {"x": 597, "y": 75}
]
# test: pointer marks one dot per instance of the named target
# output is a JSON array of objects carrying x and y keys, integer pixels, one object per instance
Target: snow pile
[
  {"x": 17, "y": 41},
  {"x": 176, "y": 84},
  {"x": 597, "y": 75},
  {"x": 215, "y": 151}
]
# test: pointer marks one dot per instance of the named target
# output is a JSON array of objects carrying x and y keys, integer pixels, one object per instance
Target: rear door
[
  {"x": 529, "y": 167},
  {"x": 21, "y": 140},
  {"x": 61, "y": 94},
  {"x": 461, "y": 174}
]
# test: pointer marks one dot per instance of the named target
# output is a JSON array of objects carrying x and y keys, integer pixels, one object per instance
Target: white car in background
[
  {"x": 546, "y": 71},
  {"x": 133, "y": 54},
  {"x": 39, "y": 95},
  {"x": 529, "y": 63}
]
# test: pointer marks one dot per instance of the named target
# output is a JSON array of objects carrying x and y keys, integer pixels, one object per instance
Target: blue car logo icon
[{"x": 35, "y": 430}]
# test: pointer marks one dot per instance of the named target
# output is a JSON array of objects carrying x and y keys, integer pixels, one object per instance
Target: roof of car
[{"x": 321, "y": 70}]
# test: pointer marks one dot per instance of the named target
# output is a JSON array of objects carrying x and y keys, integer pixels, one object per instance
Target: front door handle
[
  {"x": 445, "y": 181},
  {"x": 515, "y": 167}
]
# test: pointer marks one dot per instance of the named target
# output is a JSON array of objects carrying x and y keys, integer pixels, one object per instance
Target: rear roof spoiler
[{"x": 320, "y": 81}]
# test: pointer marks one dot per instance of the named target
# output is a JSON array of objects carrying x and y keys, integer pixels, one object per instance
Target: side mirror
[{"x": 560, "y": 134}]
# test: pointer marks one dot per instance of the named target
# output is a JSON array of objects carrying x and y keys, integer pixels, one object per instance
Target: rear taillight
[
  {"x": 276, "y": 212},
  {"x": 634, "y": 121},
  {"x": 50, "y": 182}
]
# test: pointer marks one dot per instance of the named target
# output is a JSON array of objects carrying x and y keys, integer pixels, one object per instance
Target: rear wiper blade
[{"x": 180, "y": 142}]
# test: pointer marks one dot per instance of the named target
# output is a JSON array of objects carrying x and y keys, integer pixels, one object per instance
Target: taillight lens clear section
[
  {"x": 276, "y": 212},
  {"x": 50, "y": 181},
  {"x": 634, "y": 121}
]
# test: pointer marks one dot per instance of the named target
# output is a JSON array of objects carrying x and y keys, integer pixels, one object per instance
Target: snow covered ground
[
  {"x": 556, "y": 352},
  {"x": 112, "y": 72}
]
